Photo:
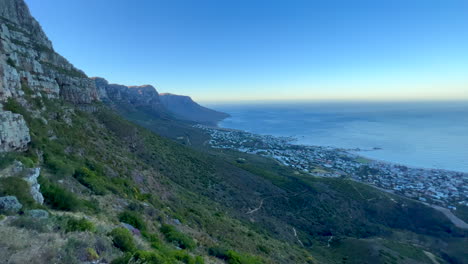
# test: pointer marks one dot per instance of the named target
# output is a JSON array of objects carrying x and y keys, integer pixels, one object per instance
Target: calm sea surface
[{"x": 428, "y": 135}]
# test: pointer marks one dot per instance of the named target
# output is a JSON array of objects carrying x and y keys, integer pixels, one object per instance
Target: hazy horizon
[{"x": 268, "y": 50}]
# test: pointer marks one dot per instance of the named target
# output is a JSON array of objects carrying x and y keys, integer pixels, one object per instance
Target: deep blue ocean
[{"x": 418, "y": 134}]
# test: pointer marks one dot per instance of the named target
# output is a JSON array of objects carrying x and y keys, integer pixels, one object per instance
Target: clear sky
[{"x": 227, "y": 50}]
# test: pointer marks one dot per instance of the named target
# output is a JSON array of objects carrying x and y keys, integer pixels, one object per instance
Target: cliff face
[
  {"x": 178, "y": 106},
  {"x": 30, "y": 66},
  {"x": 27, "y": 58},
  {"x": 136, "y": 96},
  {"x": 185, "y": 108}
]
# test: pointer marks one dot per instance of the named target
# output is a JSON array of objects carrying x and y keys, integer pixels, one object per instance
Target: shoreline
[
  {"x": 350, "y": 151},
  {"x": 432, "y": 185}
]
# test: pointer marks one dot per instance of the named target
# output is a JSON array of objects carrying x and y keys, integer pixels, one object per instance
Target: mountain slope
[
  {"x": 116, "y": 191},
  {"x": 185, "y": 108}
]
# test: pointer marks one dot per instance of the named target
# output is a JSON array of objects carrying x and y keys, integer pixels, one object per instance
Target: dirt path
[
  {"x": 432, "y": 257},
  {"x": 251, "y": 211},
  {"x": 455, "y": 220}
]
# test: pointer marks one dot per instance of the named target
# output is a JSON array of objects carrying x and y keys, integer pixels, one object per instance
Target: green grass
[
  {"x": 20, "y": 188},
  {"x": 79, "y": 225}
]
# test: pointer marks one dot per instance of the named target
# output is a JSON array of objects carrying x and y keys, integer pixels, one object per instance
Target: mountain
[
  {"x": 146, "y": 97},
  {"x": 185, "y": 108},
  {"x": 92, "y": 172}
]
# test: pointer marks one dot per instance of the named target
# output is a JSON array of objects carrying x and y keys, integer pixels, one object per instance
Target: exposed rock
[
  {"x": 185, "y": 108},
  {"x": 38, "y": 213},
  {"x": 27, "y": 59},
  {"x": 131, "y": 228},
  {"x": 31, "y": 178},
  {"x": 14, "y": 133},
  {"x": 10, "y": 204},
  {"x": 137, "y": 96},
  {"x": 181, "y": 107}
]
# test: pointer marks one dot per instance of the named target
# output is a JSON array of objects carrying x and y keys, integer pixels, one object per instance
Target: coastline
[{"x": 440, "y": 187}]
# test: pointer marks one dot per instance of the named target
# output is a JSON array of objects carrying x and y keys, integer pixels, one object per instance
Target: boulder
[
  {"x": 10, "y": 204},
  {"x": 38, "y": 213}
]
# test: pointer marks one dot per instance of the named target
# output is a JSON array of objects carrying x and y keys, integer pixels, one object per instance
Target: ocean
[{"x": 417, "y": 134}]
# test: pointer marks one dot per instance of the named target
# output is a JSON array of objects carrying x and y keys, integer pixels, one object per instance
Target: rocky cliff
[
  {"x": 185, "y": 108},
  {"x": 146, "y": 96},
  {"x": 136, "y": 96},
  {"x": 29, "y": 66}
]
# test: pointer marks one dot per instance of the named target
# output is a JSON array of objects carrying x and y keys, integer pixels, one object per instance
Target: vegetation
[
  {"x": 132, "y": 218},
  {"x": 102, "y": 161},
  {"x": 79, "y": 225},
  {"x": 174, "y": 236},
  {"x": 123, "y": 239},
  {"x": 17, "y": 187},
  {"x": 57, "y": 197},
  {"x": 11, "y": 63}
]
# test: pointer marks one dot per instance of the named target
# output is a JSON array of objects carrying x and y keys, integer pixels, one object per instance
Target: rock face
[
  {"x": 136, "y": 96},
  {"x": 38, "y": 213},
  {"x": 29, "y": 65},
  {"x": 31, "y": 178},
  {"x": 185, "y": 108},
  {"x": 10, "y": 204},
  {"x": 181, "y": 107},
  {"x": 14, "y": 134},
  {"x": 27, "y": 58}
]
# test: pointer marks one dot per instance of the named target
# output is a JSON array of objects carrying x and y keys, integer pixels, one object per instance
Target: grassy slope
[
  {"x": 108, "y": 164},
  {"x": 322, "y": 207}
]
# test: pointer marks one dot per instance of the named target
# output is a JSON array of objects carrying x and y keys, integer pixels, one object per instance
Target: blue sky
[{"x": 226, "y": 50}]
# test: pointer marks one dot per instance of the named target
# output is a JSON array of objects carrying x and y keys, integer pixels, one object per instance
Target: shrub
[
  {"x": 27, "y": 162},
  {"x": 132, "y": 218},
  {"x": 39, "y": 225},
  {"x": 172, "y": 235},
  {"x": 91, "y": 180},
  {"x": 233, "y": 257},
  {"x": 123, "y": 239},
  {"x": 79, "y": 225},
  {"x": 57, "y": 197},
  {"x": 11, "y": 63},
  {"x": 13, "y": 106},
  {"x": 148, "y": 257},
  {"x": 17, "y": 187}
]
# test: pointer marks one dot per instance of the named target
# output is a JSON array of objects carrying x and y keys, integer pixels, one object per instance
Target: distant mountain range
[{"x": 177, "y": 106}]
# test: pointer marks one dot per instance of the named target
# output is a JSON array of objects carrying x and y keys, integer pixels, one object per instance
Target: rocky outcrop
[
  {"x": 136, "y": 96},
  {"x": 185, "y": 108},
  {"x": 38, "y": 214},
  {"x": 10, "y": 204},
  {"x": 14, "y": 134},
  {"x": 31, "y": 178},
  {"x": 27, "y": 59}
]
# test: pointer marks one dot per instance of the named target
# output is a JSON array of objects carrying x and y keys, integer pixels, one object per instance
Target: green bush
[
  {"x": 17, "y": 187},
  {"x": 91, "y": 180},
  {"x": 233, "y": 257},
  {"x": 79, "y": 225},
  {"x": 27, "y": 162},
  {"x": 149, "y": 257},
  {"x": 174, "y": 236},
  {"x": 11, "y": 63},
  {"x": 123, "y": 239},
  {"x": 132, "y": 218},
  {"x": 13, "y": 106},
  {"x": 57, "y": 197}
]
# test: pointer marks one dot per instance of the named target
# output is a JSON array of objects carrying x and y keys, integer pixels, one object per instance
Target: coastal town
[{"x": 444, "y": 188}]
